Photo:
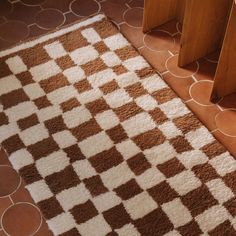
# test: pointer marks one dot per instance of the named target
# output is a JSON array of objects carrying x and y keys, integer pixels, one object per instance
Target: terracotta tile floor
[{"x": 23, "y": 19}]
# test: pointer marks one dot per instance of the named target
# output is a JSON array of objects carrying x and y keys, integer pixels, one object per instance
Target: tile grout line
[{"x": 13, "y": 203}]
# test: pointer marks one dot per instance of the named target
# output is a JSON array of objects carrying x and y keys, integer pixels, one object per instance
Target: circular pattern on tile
[
  {"x": 21, "y": 219},
  {"x": 225, "y": 122},
  {"x": 24, "y": 13},
  {"x": 13, "y": 31},
  {"x": 134, "y": 16},
  {"x": 32, "y": 3},
  {"x": 179, "y": 27},
  {"x": 49, "y": 18},
  {"x": 85, "y": 7},
  {"x": 5, "y": 8},
  {"x": 158, "y": 40},
  {"x": 9, "y": 180},
  {"x": 136, "y": 3},
  {"x": 174, "y": 69},
  {"x": 115, "y": 24},
  {"x": 201, "y": 92},
  {"x": 117, "y": 2}
]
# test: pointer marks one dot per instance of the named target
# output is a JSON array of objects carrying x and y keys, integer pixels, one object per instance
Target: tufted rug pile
[{"x": 104, "y": 146}]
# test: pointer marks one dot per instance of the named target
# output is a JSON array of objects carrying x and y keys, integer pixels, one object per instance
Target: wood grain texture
[
  {"x": 203, "y": 28},
  {"x": 225, "y": 78},
  {"x": 180, "y": 10},
  {"x": 158, "y": 12}
]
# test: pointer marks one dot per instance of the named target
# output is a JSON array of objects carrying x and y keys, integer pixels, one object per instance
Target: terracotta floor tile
[
  {"x": 36, "y": 31},
  {"x": 186, "y": 71},
  {"x": 120, "y": 2},
  {"x": 156, "y": 59},
  {"x": 136, "y": 3},
  {"x": 44, "y": 230},
  {"x": 5, "y": 44},
  {"x": 5, "y": 8},
  {"x": 158, "y": 40},
  {"x": 14, "y": 31},
  {"x": 170, "y": 27},
  {"x": 228, "y": 102},
  {"x": 228, "y": 142},
  {"x": 70, "y": 18},
  {"x": 134, "y": 17},
  {"x": 108, "y": 8},
  {"x": 179, "y": 85},
  {"x": 27, "y": 224},
  {"x": 3, "y": 158},
  {"x": 176, "y": 48},
  {"x": 84, "y": 7},
  {"x": 179, "y": 27},
  {"x": 4, "y": 204},
  {"x": 206, "y": 70},
  {"x": 62, "y": 5},
  {"x": 9, "y": 180},
  {"x": 2, "y": 233},
  {"x": 200, "y": 92},
  {"x": 213, "y": 57},
  {"x": 21, "y": 195},
  {"x": 205, "y": 113},
  {"x": 135, "y": 35},
  {"x": 225, "y": 122},
  {"x": 49, "y": 19},
  {"x": 22, "y": 12},
  {"x": 32, "y": 3}
]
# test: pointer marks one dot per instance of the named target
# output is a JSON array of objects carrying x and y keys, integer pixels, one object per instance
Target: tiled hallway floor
[{"x": 23, "y": 19}]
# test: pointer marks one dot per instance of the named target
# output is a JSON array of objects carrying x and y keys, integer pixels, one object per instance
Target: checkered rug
[{"x": 104, "y": 146}]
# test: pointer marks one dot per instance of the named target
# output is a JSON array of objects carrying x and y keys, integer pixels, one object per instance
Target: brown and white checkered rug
[{"x": 104, "y": 145}]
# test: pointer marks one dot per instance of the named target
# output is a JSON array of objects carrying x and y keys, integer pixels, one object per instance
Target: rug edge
[{"x": 51, "y": 35}]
